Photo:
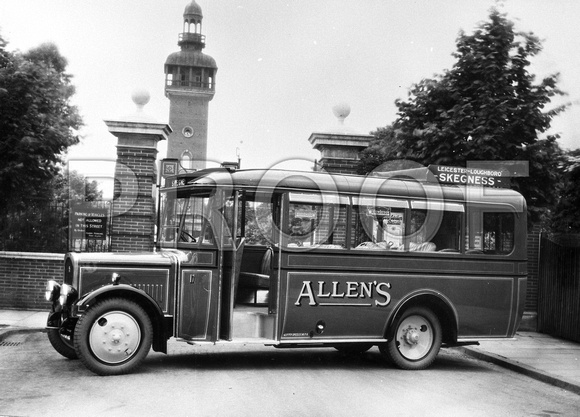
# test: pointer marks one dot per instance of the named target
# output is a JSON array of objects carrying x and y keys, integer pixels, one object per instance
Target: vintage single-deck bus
[{"x": 303, "y": 259}]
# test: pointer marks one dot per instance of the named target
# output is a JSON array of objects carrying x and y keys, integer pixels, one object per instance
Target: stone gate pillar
[
  {"x": 340, "y": 145},
  {"x": 133, "y": 222}
]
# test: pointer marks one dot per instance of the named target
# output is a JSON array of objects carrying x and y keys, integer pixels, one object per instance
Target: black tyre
[
  {"x": 113, "y": 336},
  {"x": 62, "y": 344},
  {"x": 415, "y": 341}
]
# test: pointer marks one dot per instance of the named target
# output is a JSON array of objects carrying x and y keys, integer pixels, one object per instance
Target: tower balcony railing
[
  {"x": 191, "y": 37},
  {"x": 194, "y": 85}
]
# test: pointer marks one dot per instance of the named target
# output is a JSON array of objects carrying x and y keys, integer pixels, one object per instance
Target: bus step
[{"x": 253, "y": 324}]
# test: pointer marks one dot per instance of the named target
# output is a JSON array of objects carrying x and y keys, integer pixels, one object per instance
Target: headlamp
[
  {"x": 52, "y": 291},
  {"x": 65, "y": 291}
]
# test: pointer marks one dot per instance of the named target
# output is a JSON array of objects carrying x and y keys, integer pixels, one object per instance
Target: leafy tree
[
  {"x": 74, "y": 187},
  {"x": 42, "y": 224},
  {"x": 487, "y": 107},
  {"x": 381, "y": 149},
  {"x": 566, "y": 219},
  {"x": 37, "y": 121}
]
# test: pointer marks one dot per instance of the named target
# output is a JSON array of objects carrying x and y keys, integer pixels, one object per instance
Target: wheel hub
[
  {"x": 411, "y": 336},
  {"x": 114, "y": 337},
  {"x": 414, "y": 337}
]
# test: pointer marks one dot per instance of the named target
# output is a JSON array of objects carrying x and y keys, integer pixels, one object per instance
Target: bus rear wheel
[
  {"x": 415, "y": 340},
  {"x": 113, "y": 336}
]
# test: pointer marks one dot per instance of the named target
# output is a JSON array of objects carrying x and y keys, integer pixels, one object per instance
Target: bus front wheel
[
  {"x": 415, "y": 339},
  {"x": 113, "y": 336},
  {"x": 62, "y": 344}
]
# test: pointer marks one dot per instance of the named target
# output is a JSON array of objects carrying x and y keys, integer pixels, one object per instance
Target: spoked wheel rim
[
  {"x": 415, "y": 337},
  {"x": 114, "y": 337}
]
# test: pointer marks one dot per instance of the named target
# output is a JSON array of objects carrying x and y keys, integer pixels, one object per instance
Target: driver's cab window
[
  {"x": 171, "y": 213},
  {"x": 196, "y": 227},
  {"x": 185, "y": 220}
]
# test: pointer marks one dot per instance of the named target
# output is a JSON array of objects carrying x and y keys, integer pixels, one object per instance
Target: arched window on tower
[{"x": 186, "y": 160}]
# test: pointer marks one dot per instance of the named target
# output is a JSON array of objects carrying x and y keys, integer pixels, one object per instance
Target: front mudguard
[
  {"x": 58, "y": 318},
  {"x": 162, "y": 326},
  {"x": 54, "y": 320}
]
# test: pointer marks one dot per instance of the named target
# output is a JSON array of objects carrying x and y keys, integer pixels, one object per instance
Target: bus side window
[
  {"x": 436, "y": 229},
  {"x": 498, "y": 233},
  {"x": 447, "y": 238},
  {"x": 258, "y": 222},
  {"x": 490, "y": 232},
  {"x": 418, "y": 232},
  {"x": 317, "y": 225},
  {"x": 336, "y": 227},
  {"x": 378, "y": 224}
]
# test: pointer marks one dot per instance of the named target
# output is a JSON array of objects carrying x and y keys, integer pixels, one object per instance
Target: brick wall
[
  {"x": 23, "y": 278},
  {"x": 134, "y": 208}
]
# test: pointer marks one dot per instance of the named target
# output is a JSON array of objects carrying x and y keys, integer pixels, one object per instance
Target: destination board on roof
[{"x": 470, "y": 176}]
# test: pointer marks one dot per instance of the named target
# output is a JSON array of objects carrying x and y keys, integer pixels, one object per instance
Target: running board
[
  {"x": 240, "y": 341},
  {"x": 458, "y": 344}
]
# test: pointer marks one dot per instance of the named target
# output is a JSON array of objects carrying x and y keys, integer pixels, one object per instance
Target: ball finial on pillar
[
  {"x": 341, "y": 111},
  {"x": 140, "y": 97}
]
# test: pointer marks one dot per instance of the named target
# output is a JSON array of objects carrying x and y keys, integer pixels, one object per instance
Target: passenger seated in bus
[
  {"x": 418, "y": 243},
  {"x": 299, "y": 230},
  {"x": 422, "y": 247},
  {"x": 380, "y": 245}
]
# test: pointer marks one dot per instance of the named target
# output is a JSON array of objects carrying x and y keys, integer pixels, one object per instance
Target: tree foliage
[
  {"x": 566, "y": 219},
  {"x": 381, "y": 149},
  {"x": 42, "y": 224},
  {"x": 72, "y": 186},
  {"x": 486, "y": 107},
  {"x": 38, "y": 123}
]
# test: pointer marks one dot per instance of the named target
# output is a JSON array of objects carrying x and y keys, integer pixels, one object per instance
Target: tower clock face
[{"x": 187, "y": 131}]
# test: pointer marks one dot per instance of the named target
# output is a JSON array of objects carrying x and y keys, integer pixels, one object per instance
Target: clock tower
[{"x": 189, "y": 86}]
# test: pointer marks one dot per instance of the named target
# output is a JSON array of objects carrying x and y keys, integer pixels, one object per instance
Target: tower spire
[{"x": 191, "y": 37}]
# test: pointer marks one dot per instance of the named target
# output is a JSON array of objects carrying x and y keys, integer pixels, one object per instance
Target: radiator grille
[{"x": 156, "y": 291}]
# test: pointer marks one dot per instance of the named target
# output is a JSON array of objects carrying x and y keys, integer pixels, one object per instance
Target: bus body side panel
[
  {"x": 155, "y": 281},
  {"x": 331, "y": 290},
  {"x": 197, "y": 308}
]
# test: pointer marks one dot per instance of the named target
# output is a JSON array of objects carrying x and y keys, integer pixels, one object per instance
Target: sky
[{"x": 282, "y": 65}]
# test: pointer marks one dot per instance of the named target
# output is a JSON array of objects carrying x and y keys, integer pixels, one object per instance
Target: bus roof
[{"x": 270, "y": 180}]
